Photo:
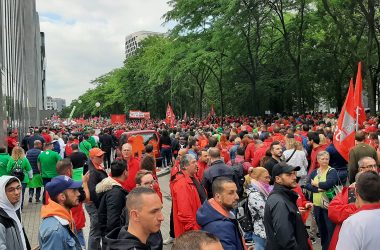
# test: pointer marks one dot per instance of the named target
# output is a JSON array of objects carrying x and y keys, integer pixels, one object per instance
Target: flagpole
[{"x": 357, "y": 119}]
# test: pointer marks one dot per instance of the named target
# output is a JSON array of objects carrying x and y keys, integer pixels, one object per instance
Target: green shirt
[
  {"x": 92, "y": 141},
  {"x": 48, "y": 160},
  {"x": 4, "y": 158},
  {"x": 85, "y": 147},
  {"x": 25, "y": 165},
  {"x": 317, "y": 197}
]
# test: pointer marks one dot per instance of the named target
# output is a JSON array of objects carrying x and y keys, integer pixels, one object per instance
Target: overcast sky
[{"x": 85, "y": 38}]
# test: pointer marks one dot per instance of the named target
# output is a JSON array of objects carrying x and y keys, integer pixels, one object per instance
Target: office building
[
  {"x": 55, "y": 103},
  {"x": 132, "y": 41}
]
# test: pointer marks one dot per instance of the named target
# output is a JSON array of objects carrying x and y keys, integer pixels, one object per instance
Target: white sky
[{"x": 84, "y": 39}]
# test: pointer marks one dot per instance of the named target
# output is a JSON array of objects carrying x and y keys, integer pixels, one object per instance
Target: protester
[
  {"x": 199, "y": 240},
  {"x": 12, "y": 140},
  {"x": 145, "y": 218},
  {"x": 276, "y": 152},
  {"x": 133, "y": 164},
  {"x": 12, "y": 234},
  {"x": 257, "y": 194},
  {"x": 4, "y": 158},
  {"x": 356, "y": 153},
  {"x": 217, "y": 168},
  {"x": 78, "y": 159},
  {"x": 112, "y": 197},
  {"x": 106, "y": 144},
  {"x": 216, "y": 217},
  {"x": 85, "y": 146},
  {"x": 337, "y": 161},
  {"x": 36, "y": 183},
  {"x": 46, "y": 162},
  {"x": 321, "y": 180},
  {"x": 187, "y": 195},
  {"x": 295, "y": 156},
  {"x": 57, "y": 229},
  {"x": 165, "y": 148},
  {"x": 360, "y": 230},
  {"x": 19, "y": 166},
  {"x": 284, "y": 227},
  {"x": 202, "y": 164},
  {"x": 36, "y": 136},
  {"x": 316, "y": 147},
  {"x": 343, "y": 204}
]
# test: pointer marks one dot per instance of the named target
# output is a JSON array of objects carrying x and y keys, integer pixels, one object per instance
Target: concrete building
[
  {"x": 132, "y": 41},
  {"x": 55, "y": 103},
  {"x": 22, "y": 65}
]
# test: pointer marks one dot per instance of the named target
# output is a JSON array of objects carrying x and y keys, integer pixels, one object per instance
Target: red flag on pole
[
  {"x": 359, "y": 107},
  {"x": 212, "y": 112},
  {"x": 344, "y": 136},
  {"x": 170, "y": 117}
]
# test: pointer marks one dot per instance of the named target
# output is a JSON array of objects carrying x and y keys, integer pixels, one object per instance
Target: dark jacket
[
  {"x": 106, "y": 142},
  {"x": 9, "y": 233},
  {"x": 112, "y": 199},
  {"x": 217, "y": 169},
  {"x": 270, "y": 164},
  {"x": 33, "y": 138},
  {"x": 332, "y": 179},
  {"x": 224, "y": 228},
  {"x": 96, "y": 176},
  {"x": 336, "y": 160},
  {"x": 283, "y": 223},
  {"x": 121, "y": 239},
  {"x": 32, "y": 156}
]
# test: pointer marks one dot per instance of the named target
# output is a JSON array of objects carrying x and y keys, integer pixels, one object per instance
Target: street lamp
[{"x": 97, "y": 104}]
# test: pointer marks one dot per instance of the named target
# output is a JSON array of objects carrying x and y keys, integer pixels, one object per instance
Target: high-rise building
[
  {"x": 22, "y": 65},
  {"x": 132, "y": 41}
]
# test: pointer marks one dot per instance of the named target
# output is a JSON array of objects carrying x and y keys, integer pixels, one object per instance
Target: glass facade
[{"x": 22, "y": 65}]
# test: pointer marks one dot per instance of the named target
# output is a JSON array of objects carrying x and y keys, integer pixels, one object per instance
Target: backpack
[
  {"x": 244, "y": 216},
  {"x": 17, "y": 170},
  {"x": 238, "y": 177}
]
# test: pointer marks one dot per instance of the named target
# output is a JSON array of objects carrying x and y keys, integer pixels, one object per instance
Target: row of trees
[{"x": 245, "y": 57}]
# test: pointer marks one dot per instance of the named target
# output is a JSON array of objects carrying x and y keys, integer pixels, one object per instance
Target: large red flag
[
  {"x": 344, "y": 136},
  {"x": 170, "y": 117},
  {"x": 359, "y": 107}
]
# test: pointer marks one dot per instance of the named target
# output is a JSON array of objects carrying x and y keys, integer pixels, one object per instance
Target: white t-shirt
[{"x": 298, "y": 159}]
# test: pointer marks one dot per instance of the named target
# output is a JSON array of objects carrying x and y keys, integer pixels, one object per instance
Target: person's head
[
  {"x": 149, "y": 148},
  {"x": 367, "y": 188},
  {"x": 148, "y": 163},
  {"x": 96, "y": 155},
  {"x": 367, "y": 164},
  {"x": 323, "y": 158},
  {"x": 203, "y": 156},
  {"x": 276, "y": 149},
  {"x": 290, "y": 141},
  {"x": 240, "y": 151},
  {"x": 193, "y": 144},
  {"x": 126, "y": 150},
  {"x": 64, "y": 191},
  {"x": 212, "y": 142},
  {"x": 189, "y": 164},
  {"x": 37, "y": 144},
  {"x": 10, "y": 192},
  {"x": 197, "y": 239},
  {"x": 144, "y": 210},
  {"x": 119, "y": 169},
  {"x": 285, "y": 175},
  {"x": 144, "y": 178},
  {"x": 65, "y": 167},
  {"x": 313, "y": 138},
  {"x": 18, "y": 153},
  {"x": 74, "y": 147},
  {"x": 213, "y": 154},
  {"x": 260, "y": 174},
  {"x": 360, "y": 136},
  {"x": 181, "y": 153},
  {"x": 225, "y": 192},
  {"x": 48, "y": 146}
]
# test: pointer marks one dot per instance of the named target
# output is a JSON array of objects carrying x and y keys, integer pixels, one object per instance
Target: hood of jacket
[
  {"x": 120, "y": 238},
  {"x": 206, "y": 214},
  {"x": 56, "y": 210},
  {"x": 4, "y": 202},
  {"x": 106, "y": 184}
]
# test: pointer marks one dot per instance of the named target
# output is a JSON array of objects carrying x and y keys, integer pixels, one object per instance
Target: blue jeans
[
  {"x": 259, "y": 242},
  {"x": 166, "y": 154},
  {"x": 94, "y": 237},
  {"x": 38, "y": 193},
  {"x": 325, "y": 226},
  {"x": 81, "y": 238}
]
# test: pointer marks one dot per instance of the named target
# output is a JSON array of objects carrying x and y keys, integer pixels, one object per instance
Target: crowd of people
[{"x": 273, "y": 182}]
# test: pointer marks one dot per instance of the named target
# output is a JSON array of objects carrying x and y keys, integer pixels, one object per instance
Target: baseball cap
[
  {"x": 60, "y": 183},
  {"x": 282, "y": 168},
  {"x": 96, "y": 152}
]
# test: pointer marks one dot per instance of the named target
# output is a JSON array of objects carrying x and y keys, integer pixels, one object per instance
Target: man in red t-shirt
[{"x": 133, "y": 166}]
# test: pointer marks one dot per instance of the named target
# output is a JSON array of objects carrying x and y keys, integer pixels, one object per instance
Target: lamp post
[{"x": 97, "y": 105}]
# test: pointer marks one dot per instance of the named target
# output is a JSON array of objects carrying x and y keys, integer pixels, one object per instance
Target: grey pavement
[{"x": 31, "y": 216}]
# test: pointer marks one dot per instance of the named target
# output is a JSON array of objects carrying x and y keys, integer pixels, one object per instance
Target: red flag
[
  {"x": 170, "y": 117},
  {"x": 344, "y": 136},
  {"x": 212, "y": 111},
  {"x": 359, "y": 107}
]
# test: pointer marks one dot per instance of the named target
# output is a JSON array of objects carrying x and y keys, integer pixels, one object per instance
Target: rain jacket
[
  {"x": 185, "y": 204},
  {"x": 12, "y": 232}
]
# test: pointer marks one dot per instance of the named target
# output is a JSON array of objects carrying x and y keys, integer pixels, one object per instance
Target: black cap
[{"x": 282, "y": 168}]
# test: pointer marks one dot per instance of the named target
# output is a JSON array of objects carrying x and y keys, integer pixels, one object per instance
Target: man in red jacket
[
  {"x": 343, "y": 204},
  {"x": 316, "y": 148},
  {"x": 202, "y": 164},
  {"x": 187, "y": 195},
  {"x": 133, "y": 166}
]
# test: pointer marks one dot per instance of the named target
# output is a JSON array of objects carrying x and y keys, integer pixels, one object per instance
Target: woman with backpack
[
  {"x": 19, "y": 166},
  {"x": 257, "y": 196}
]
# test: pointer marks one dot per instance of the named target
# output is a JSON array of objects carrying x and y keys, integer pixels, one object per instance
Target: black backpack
[
  {"x": 244, "y": 216},
  {"x": 239, "y": 177},
  {"x": 17, "y": 170}
]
